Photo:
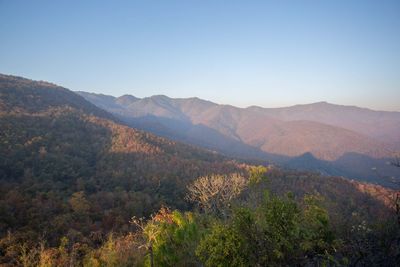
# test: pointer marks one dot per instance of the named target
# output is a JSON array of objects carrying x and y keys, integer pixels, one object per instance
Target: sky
[{"x": 266, "y": 53}]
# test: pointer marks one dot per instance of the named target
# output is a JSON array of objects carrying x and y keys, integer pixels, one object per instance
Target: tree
[
  {"x": 79, "y": 203},
  {"x": 277, "y": 233},
  {"x": 232, "y": 244},
  {"x": 116, "y": 251},
  {"x": 170, "y": 238},
  {"x": 213, "y": 193},
  {"x": 177, "y": 240},
  {"x": 150, "y": 231}
]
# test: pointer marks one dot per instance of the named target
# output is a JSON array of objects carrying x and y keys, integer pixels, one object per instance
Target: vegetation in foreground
[
  {"x": 238, "y": 222},
  {"x": 72, "y": 177}
]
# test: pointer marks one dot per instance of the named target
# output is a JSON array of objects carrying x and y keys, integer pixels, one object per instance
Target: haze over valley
[
  {"x": 332, "y": 139},
  {"x": 83, "y": 169},
  {"x": 199, "y": 133}
]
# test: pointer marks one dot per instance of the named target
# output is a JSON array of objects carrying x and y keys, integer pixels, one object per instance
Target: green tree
[
  {"x": 277, "y": 233},
  {"x": 230, "y": 245},
  {"x": 79, "y": 203},
  {"x": 171, "y": 238}
]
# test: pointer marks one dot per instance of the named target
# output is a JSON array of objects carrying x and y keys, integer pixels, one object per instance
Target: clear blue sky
[{"x": 268, "y": 53}]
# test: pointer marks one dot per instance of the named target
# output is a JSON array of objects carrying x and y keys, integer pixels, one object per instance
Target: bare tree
[
  {"x": 396, "y": 162},
  {"x": 150, "y": 232},
  {"x": 150, "y": 229},
  {"x": 213, "y": 193}
]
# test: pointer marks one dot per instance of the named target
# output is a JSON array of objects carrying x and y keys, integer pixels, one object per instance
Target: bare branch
[{"x": 214, "y": 192}]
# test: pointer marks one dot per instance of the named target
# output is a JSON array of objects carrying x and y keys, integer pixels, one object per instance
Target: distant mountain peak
[
  {"x": 128, "y": 96},
  {"x": 160, "y": 97},
  {"x": 321, "y": 103},
  {"x": 315, "y": 104},
  {"x": 126, "y": 100},
  {"x": 307, "y": 155}
]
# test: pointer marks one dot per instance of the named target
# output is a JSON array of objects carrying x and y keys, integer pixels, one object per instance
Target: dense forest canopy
[{"x": 77, "y": 187}]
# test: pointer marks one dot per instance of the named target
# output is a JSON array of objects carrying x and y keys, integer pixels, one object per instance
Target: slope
[
  {"x": 381, "y": 125},
  {"x": 258, "y": 133},
  {"x": 68, "y": 166},
  {"x": 70, "y": 174}
]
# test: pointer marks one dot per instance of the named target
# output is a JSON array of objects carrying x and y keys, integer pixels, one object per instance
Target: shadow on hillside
[
  {"x": 342, "y": 197},
  {"x": 201, "y": 135},
  {"x": 45, "y": 159},
  {"x": 352, "y": 165},
  {"x": 60, "y": 154}
]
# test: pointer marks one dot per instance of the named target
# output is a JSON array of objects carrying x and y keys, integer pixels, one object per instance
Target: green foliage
[
  {"x": 71, "y": 177},
  {"x": 280, "y": 223},
  {"x": 276, "y": 233},
  {"x": 229, "y": 245},
  {"x": 79, "y": 203},
  {"x": 256, "y": 174},
  {"x": 122, "y": 252},
  {"x": 176, "y": 236},
  {"x": 68, "y": 166},
  {"x": 319, "y": 238}
]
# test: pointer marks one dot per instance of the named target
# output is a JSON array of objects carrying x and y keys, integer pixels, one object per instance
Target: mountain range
[
  {"x": 332, "y": 139},
  {"x": 72, "y": 174},
  {"x": 54, "y": 143}
]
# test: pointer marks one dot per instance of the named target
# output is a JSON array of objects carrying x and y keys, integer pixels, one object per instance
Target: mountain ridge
[
  {"x": 282, "y": 133},
  {"x": 226, "y": 118},
  {"x": 322, "y": 102},
  {"x": 282, "y": 112}
]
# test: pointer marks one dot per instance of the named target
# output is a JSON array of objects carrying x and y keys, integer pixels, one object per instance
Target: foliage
[
  {"x": 256, "y": 174},
  {"x": 177, "y": 240},
  {"x": 276, "y": 233},
  {"x": 120, "y": 251},
  {"x": 72, "y": 177},
  {"x": 229, "y": 245}
]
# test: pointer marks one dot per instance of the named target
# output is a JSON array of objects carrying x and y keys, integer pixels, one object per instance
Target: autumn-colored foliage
[{"x": 72, "y": 177}]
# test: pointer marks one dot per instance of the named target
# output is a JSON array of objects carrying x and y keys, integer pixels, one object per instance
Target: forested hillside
[
  {"x": 66, "y": 168},
  {"x": 79, "y": 188}
]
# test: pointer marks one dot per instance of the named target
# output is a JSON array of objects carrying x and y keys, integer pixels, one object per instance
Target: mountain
[
  {"x": 380, "y": 125},
  {"x": 331, "y": 133},
  {"x": 67, "y": 165},
  {"x": 72, "y": 176}
]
